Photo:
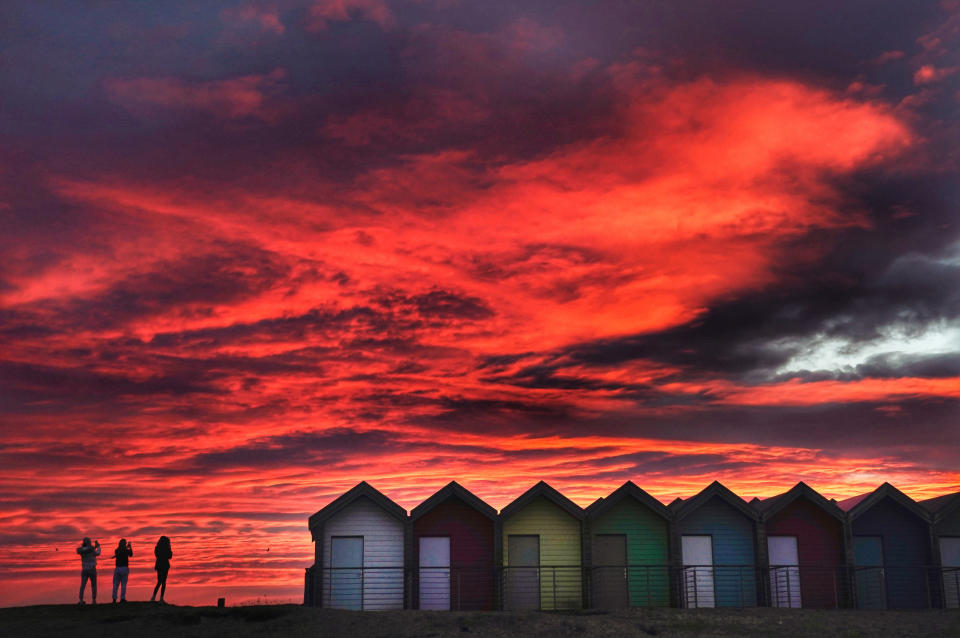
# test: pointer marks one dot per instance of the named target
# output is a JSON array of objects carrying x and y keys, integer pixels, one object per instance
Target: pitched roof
[
  {"x": 717, "y": 489},
  {"x": 453, "y": 490},
  {"x": 593, "y": 505},
  {"x": 857, "y": 505},
  {"x": 360, "y": 490},
  {"x": 769, "y": 507},
  {"x": 941, "y": 506},
  {"x": 627, "y": 490},
  {"x": 544, "y": 490}
]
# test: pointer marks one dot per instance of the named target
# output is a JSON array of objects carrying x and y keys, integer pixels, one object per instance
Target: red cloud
[
  {"x": 266, "y": 17},
  {"x": 322, "y": 12},
  {"x": 241, "y": 97}
]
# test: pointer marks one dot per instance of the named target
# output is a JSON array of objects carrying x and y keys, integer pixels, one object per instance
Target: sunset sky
[{"x": 254, "y": 253}]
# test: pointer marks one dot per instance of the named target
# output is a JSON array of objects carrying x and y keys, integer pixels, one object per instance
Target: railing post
[
  {"x": 836, "y": 597},
  {"x": 646, "y": 571},
  {"x": 740, "y": 583},
  {"x": 553, "y": 570}
]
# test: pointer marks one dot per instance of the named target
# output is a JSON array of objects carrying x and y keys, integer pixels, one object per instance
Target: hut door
[
  {"x": 697, "y": 571},
  {"x": 950, "y": 561},
  {"x": 610, "y": 571},
  {"x": 871, "y": 584},
  {"x": 346, "y": 572},
  {"x": 435, "y": 572},
  {"x": 523, "y": 572},
  {"x": 784, "y": 571}
]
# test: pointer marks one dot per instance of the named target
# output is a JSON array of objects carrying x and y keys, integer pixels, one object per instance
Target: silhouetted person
[
  {"x": 121, "y": 572},
  {"x": 88, "y": 567},
  {"x": 164, "y": 554}
]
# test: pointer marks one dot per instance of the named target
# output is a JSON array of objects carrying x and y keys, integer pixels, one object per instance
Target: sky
[{"x": 252, "y": 253}]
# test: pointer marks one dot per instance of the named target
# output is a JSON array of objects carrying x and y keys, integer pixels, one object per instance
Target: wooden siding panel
[
  {"x": 559, "y": 547},
  {"x": 950, "y": 525},
  {"x": 820, "y": 549},
  {"x": 733, "y": 546},
  {"x": 382, "y": 547},
  {"x": 471, "y": 551},
  {"x": 906, "y": 552},
  {"x": 647, "y": 543}
]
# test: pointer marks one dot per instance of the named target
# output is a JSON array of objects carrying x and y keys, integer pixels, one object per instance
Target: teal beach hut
[{"x": 627, "y": 542}]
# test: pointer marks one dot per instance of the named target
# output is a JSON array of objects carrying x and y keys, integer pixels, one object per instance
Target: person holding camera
[
  {"x": 121, "y": 572},
  {"x": 88, "y": 567}
]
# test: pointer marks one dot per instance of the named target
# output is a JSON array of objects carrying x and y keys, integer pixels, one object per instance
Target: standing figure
[
  {"x": 88, "y": 567},
  {"x": 164, "y": 554},
  {"x": 121, "y": 572}
]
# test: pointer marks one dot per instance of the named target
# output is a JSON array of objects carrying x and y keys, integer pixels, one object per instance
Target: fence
[{"x": 566, "y": 587}]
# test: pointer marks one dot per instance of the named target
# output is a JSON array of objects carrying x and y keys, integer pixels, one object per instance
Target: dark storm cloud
[
  {"x": 868, "y": 427},
  {"x": 25, "y": 386},
  {"x": 194, "y": 283},
  {"x": 439, "y": 304},
  {"x": 300, "y": 327},
  {"x": 839, "y": 297}
]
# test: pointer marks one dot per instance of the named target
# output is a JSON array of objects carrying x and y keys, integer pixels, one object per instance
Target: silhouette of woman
[
  {"x": 88, "y": 560},
  {"x": 164, "y": 554},
  {"x": 121, "y": 572}
]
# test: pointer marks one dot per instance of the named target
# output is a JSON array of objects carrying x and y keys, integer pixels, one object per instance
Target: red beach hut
[
  {"x": 806, "y": 551},
  {"x": 453, "y": 553}
]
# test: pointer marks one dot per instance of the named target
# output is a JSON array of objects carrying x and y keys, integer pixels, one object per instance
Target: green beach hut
[{"x": 627, "y": 541}]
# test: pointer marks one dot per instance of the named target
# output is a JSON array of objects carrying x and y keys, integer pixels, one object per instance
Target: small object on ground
[{"x": 221, "y": 602}]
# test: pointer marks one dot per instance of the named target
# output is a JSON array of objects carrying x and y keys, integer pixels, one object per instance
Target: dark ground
[{"x": 146, "y": 620}]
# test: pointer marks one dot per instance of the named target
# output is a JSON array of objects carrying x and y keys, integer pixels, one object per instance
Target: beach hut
[
  {"x": 542, "y": 566},
  {"x": 627, "y": 544},
  {"x": 945, "y": 511},
  {"x": 454, "y": 545},
  {"x": 806, "y": 551},
  {"x": 359, "y": 543},
  {"x": 891, "y": 549},
  {"x": 715, "y": 532}
]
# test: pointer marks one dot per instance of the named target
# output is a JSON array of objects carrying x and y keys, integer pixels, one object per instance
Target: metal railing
[
  {"x": 567, "y": 587},
  {"x": 547, "y": 587},
  {"x": 718, "y": 586},
  {"x": 456, "y": 588},
  {"x": 950, "y": 586}
]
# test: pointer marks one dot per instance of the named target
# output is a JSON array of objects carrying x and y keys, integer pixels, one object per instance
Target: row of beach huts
[{"x": 542, "y": 551}]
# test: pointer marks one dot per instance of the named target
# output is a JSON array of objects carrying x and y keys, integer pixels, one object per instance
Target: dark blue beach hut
[{"x": 891, "y": 550}]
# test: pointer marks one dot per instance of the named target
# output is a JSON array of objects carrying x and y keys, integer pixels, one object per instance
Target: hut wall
[
  {"x": 560, "y": 560},
  {"x": 382, "y": 548},
  {"x": 733, "y": 547},
  {"x": 820, "y": 551},
  {"x": 471, "y": 535},
  {"x": 906, "y": 552},
  {"x": 648, "y": 580}
]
